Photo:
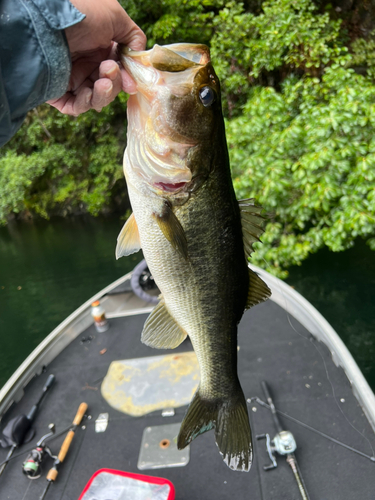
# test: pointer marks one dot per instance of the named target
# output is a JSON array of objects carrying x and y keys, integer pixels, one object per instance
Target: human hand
[{"x": 96, "y": 78}]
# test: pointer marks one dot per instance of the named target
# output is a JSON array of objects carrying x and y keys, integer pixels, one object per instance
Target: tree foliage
[
  {"x": 299, "y": 99},
  {"x": 308, "y": 155}
]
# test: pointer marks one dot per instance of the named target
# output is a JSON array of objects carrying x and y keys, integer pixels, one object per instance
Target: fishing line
[
  {"x": 27, "y": 489},
  {"x": 23, "y": 452},
  {"x": 322, "y": 434},
  {"x": 82, "y": 438},
  {"x": 312, "y": 341},
  {"x": 332, "y": 387}
]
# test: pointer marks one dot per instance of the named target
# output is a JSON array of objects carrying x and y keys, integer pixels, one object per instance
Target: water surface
[
  {"x": 49, "y": 268},
  {"x": 342, "y": 287}
]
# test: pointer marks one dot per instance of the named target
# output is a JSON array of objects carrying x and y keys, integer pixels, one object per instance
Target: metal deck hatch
[{"x": 159, "y": 448}]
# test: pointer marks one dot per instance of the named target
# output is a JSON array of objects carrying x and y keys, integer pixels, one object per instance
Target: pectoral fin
[
  {"x": 258, "y": 290},
  {"x": 172, "y": 230},
  {"x": 252, "y": 224},
  {"x": 161, "y": 330},
  {"x": 128, "y": 240}
]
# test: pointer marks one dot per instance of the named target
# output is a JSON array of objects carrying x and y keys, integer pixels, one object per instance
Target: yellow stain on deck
[{"x": 124, "y": 385}]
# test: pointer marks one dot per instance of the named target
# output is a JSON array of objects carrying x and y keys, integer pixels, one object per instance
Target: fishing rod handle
[
  {"x": 65, "y": 446},
  {"x": 69, "y": 437},
  {"x": 80, "y": 413},
  {"x": 32, "y": 413},
  {"x": 52, "y": 474},
  {"x": 49, "y": 383},
  {"x": 266, "y": 390},
  {"x": 272, "y": 406}
]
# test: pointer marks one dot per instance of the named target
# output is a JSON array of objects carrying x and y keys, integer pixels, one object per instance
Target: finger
[
  {"x": 128, "y": 84},
  {"x": 109, "y": 69},
  {"x": 104, "y": 92},
  {"x": 74, "y": 104},
  {"x": 85, "y": 66},
  {"x": 127, "y": 32}
]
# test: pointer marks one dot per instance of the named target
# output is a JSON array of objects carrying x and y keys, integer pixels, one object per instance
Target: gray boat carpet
[{"x": 273, "y": 347}]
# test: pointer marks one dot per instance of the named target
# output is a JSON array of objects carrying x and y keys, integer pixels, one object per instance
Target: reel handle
[{"x": 273, "y": 463}]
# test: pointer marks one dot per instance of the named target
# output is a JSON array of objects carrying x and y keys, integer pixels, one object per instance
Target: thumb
[{"x": 127, "y": 32}]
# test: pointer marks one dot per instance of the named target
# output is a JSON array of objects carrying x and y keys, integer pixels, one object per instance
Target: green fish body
[{"x": 191, "y": 229}]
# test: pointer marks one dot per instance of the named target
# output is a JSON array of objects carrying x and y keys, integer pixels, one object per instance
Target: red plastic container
[{"x": 110, "y": 484}]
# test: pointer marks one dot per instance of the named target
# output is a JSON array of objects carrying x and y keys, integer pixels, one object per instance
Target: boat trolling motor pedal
[
  {"x": 283, "y": 443},
  {"x": 32, "y": 465}
]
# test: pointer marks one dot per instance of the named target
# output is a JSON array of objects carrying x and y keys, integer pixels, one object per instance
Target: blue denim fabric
[{"x": 35, "y": 63}]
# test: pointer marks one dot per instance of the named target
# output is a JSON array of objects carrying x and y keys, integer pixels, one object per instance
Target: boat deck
[{"x": 305, "y": 384}]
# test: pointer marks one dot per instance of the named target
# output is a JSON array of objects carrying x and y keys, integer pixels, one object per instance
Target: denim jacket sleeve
[{"x": 34, "y": 57}]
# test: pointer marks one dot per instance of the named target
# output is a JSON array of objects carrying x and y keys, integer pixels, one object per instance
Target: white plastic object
[
  {"x": 98, "y": 313},
  {"x": 107, "y": 484}
]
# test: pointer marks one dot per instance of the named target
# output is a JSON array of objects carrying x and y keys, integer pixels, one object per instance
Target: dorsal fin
[
  {"x": 252, "y": 224},
  {"x": 258, "y": 290},
  {"x": 128, "y": 240},
  {"x": 161, "y": 330}
]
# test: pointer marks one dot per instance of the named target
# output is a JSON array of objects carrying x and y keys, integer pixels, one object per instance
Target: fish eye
[{"x": 207, "y": 96}]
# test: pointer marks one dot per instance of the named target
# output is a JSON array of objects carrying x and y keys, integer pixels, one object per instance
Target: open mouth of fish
[{"x": 161, "y": 74}]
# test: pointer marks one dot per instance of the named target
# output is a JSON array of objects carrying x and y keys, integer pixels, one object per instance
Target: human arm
[
  {"x": 96, "y": 78},
  {"x": 34, "y": 57},
  {"x": 45, "y": 54}
]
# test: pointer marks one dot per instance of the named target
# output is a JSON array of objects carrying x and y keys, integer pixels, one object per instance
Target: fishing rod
[
  {"x": 32, "y": 466},
  {"x": 53, "y": 472},
  {"x": 22, "y": 453},
  {"x": 284, "y": 444},
  {"x": 19, "y": 429}
]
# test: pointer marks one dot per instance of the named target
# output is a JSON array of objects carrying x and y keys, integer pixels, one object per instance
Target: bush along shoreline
[{"x": 298, "y": 89}]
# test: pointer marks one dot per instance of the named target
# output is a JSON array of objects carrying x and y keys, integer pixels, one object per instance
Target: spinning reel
[
  {"x": 32, "y": 465},
  {"x": 283, "y": 443}
]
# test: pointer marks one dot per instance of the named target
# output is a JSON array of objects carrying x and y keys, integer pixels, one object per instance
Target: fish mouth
[
  {"x": 170, "y": 187},
  {"x": 171, "y": 58},
  {"x": 157, "y": 150},
  {"x": 146, "y": 66}
]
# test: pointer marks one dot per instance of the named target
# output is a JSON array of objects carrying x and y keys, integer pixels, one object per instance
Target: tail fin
[{"x": 232, "y": 428}]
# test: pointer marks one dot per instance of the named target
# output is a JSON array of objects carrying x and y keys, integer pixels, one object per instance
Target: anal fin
[
  {"x": 258, "y": 290},
  {"x": 161, "y": 330},
  {"x": 128, "y": 241}
]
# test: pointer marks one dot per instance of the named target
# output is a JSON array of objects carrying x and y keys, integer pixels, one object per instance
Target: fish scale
[{"x": 190, "y": 226}]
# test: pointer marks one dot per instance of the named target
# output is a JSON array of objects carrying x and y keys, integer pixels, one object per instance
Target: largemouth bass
[{"x": 194, "y": 234}]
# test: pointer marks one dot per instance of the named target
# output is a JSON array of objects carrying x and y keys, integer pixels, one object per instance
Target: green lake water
[{"x": 48, "y": 269}]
